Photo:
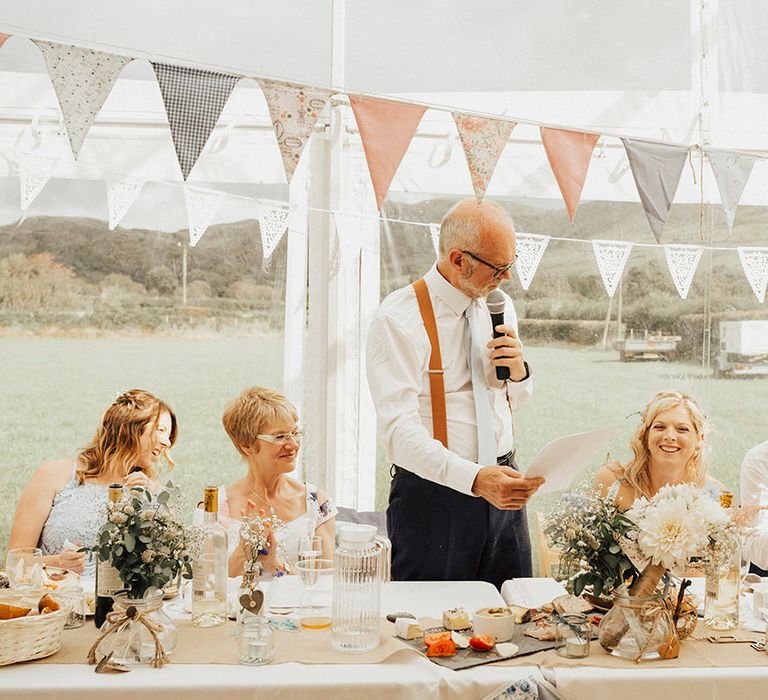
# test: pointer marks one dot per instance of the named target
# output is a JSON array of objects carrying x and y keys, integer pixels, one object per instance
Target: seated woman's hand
[
  {"x": 139, "y": 479},
  {"x": 72, "y": 560}
]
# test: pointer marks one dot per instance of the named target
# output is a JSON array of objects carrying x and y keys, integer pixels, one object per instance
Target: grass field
[{"x": 53, "y": 390}]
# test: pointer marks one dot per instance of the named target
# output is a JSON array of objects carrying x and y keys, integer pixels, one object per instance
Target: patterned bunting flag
[
  {"x": 483, "y": 140},
  {"x": 294, "y": 109},
  {"x": 682, "y": 261},
  {"x": 121, "y": 194},
  {"x": 754, "y": 260},
  {"x": 386, "y": 130},
  {"x": 194, "y": 100},
  {"x": 732, "y": 171},
  {"x": 3, "y": 39},
  {"x": 273, "y": 222},
  {"x": 530, "y": 250},
  {"x": 34, "y": 173},
  {"x": 201, "y": 208},
  {"x": 569, "y": 154},
  {"x": 82, "y": 79},
  {"x": 656, "y": 168},
  {"x": 611, "y": 258},
  {"x": 434, "y": 232}
]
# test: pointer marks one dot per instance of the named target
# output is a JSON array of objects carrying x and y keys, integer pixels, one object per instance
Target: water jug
[{"x": 361, "y": 564}]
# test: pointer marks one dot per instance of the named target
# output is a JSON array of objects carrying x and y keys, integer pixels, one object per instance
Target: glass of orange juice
[{"x": 316, "y": 576}]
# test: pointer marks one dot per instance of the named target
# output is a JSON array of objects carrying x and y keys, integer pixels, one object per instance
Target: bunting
[
  {"x": 656, "y": 168},
  {"x": 530, "y": 250},
  {"x": 194, "y": 100},
  {"x": 82, "y": 80},
  {"x": 201, "y": 208},
  {"x": 386, "y": 130},
  {"x": 611, "y": 258},
  {"x": 483, "y": 140},
  {"x": 682, "y": 261},
  {"x": 732, "y": 171},
  {"x": 273, "y": 222},
  {"x": 121, "y": 194},
  {"x": 434, "y": 233},
  {"x": 294, "y": 109},
  {"x": 754, "y": 261},
  {"x": 34, "y": 173},
  {"x": 3, "y": 39},
  {"x": 569, "y": 154}
]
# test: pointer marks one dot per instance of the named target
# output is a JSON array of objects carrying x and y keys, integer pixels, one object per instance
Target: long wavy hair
[
  {"x": 117, "y": 443},
  {"x": 637, "y": 472}
]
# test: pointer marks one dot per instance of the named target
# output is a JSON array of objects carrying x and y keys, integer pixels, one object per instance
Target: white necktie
[{"x": 486, "y": 441}]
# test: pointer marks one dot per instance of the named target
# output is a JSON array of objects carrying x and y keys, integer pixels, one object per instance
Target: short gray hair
[{"x": 463, "y": 232}]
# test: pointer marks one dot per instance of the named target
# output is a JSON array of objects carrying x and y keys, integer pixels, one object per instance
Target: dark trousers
[
  {"x": 439, "y": 534},
  {"x": 755, "y": 569}
]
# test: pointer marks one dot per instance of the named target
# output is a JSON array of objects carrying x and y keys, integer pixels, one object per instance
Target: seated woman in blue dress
[
  {"x": 263, "y": 427},
  {"x": 64, "y": 502},
  {"x": 668, "y": 446}
]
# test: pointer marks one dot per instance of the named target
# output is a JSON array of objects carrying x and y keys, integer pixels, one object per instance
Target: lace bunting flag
[
  {"x": 434, "y": 231},
  {"x": 530, "y": 250},
  {"x": 273, "y": 222},
  {"x": 611, "y": 258},
  {"x": 34, "y": 173},
  {"x": 682, "y": 261},
  {"x": 755, "y": 264},
  {"x": 121, "y": 194},
  {"x": 201, "y": 208}
]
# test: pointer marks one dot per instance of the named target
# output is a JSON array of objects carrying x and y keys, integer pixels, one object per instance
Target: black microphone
[{"x": 495, "y": 302}]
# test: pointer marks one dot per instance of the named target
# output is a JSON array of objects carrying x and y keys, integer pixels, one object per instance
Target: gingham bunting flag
[
  {"x": 682, "y": 261},
  {"x": 294, "y": 109},
  {"x": 530, "y": 250},
  {"x": 201, "y": 208},
  {"x": 121, "y": 194},
  {"x": 34, "y": 173},
  {"x": 82, "y": 80},
  {"x": 273, "y": 222},
  {"x": 732, "y": 171},
  {"x": 611, "y": 258},
  {"x": 194, "y": 100},
  {"x": 434, "y": 232},
  {"x": 754, "y": 260},
  {"x": 483, "y": 140}
]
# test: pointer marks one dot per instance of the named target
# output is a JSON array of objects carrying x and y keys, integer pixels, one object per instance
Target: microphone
[{"x": 495, "y": 302}]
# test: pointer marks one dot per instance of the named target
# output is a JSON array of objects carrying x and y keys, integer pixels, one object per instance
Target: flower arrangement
[
  {"x": 144, "y": 540},
  {"x": 256, "y": 531}
]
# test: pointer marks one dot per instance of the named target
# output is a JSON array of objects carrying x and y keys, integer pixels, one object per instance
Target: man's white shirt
[
  {"x": 754, "y": 492},
  {"x": 397, "y": 359}
]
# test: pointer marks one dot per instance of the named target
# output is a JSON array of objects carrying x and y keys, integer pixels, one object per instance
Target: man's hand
[
  {"x": 507, "y": 351},
  {"x": 504, "y": 487}
]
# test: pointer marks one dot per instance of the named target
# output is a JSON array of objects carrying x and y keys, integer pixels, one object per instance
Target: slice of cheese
[
  {"x": 460, "y": 640},
  {"x": 456, "y": 619},
  {"x": 408, "y": 628},
  {"x": 507, "y": 649}
]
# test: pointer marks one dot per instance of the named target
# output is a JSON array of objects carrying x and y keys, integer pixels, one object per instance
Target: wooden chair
[{"x": 549, "y": 557}]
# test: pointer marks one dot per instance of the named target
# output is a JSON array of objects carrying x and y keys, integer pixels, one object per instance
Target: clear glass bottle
[
  {"x": 722, "y": 583},
  {"x": 209, "y": 572},
  {"x": 108, "y": 581},
  {"x": 357, "y": 579}
]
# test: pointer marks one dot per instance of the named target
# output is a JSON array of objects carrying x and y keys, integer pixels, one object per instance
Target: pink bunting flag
[
  {"x": 386, "y": 130},
  {"x": 3, "y": 39},
  {"x": 483, "y": 140},
  {"x": 294, "y": 109},
  {"x": 569, "y": 154}
]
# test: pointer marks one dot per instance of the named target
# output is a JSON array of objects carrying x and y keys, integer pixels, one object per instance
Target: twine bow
[{"x": 118, "y": 618}]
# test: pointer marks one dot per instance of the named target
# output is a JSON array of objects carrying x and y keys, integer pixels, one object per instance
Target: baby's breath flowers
[{"x": 257, "y": 533}]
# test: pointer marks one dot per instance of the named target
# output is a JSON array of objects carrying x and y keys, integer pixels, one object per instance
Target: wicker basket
[{"x": 27, "y": 638}]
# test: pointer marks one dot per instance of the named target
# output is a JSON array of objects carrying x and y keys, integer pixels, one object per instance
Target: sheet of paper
[{"x": 561, "y": 460}]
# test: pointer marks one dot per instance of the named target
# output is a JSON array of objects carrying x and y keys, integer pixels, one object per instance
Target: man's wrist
[{"x": 527, "y": 373}]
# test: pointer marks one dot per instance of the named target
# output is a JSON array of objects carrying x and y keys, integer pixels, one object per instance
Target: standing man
[
  {"x": 457, "y": 502},
  {"x": 754, "y": 492}
]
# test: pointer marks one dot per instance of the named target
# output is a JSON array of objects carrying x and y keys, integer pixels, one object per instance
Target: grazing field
[{"x": 53, "y": 390}]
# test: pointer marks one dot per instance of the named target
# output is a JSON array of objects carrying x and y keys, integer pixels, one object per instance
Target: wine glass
[
  {"x": 316, "y": 576},
  {"x": 310, "y": 547}
]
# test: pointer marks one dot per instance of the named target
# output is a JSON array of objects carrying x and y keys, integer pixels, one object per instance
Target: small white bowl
[{"x": 498, "y": 623}]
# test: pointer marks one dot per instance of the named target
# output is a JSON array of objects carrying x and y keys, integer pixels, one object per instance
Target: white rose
[{"x": 128, "y": 510}]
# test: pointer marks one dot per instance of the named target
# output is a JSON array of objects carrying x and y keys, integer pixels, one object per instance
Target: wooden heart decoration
[{"x": 253, "y": 601}]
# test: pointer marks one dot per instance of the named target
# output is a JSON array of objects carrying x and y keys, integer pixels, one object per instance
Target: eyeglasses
[
  {"x": 281, "y": 438},
  {"x": 498, "y": 270}
]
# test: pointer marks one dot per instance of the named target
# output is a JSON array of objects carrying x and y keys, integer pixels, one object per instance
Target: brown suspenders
[{"x": 436, "y": 382}]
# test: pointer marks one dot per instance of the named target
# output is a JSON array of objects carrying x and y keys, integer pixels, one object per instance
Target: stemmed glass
[
  {"x": 310, "y": 547},
  {"x": 317, "y": 577}
]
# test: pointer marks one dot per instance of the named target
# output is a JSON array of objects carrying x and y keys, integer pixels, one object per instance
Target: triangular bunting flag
[
  {"x": 656, "y": 168},
  {"x": 682, "y": 261},
  {"x": 82, "y": 79},
  {"x": 194, "y": 100},
  {"x": 569, "y": 154},
  {"x": 201, "y": 208},
  {"x": 434, "y": 232},
  {"x": 273, "y": 222},
  {"x": 755, "y": 264},
  {"x": 611, "y": 258},
  {"x": 34, "y": 173},
  {"x": 386, "y": 130},
  {"x": 483, "y": 140},
  {"x": 530, "y": 250},
  {"x": 121, "y": 194},
  {"x": 3, "y": 39},
  {"x": 732, "y": 171},
  {"x": 294, "y": 109}
]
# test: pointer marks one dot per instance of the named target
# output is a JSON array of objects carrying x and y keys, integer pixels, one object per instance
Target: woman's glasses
[{"x": 281, "y": 438}]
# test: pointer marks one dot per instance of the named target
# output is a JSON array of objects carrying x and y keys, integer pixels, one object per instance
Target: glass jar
[
  {"x": 721, "y": 593},
  {"x": 637, "y": 627},
  {"x": 257, "y": 641},
  {"x": 74, "y": 596},
  {"x": 572, "y": 635}
]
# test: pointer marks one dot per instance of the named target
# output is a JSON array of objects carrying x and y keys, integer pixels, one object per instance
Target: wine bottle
[
  {"x": 108, "y": 580},
  {"x": 209, "y": 571}
]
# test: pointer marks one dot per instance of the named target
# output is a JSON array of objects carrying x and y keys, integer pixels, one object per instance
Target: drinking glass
[
  {"x": 257, "y": 641},
  {"x": 316, "y": 575},
  {"x": 24, "y": 566},
  {"x": 310, "y": 547}
]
